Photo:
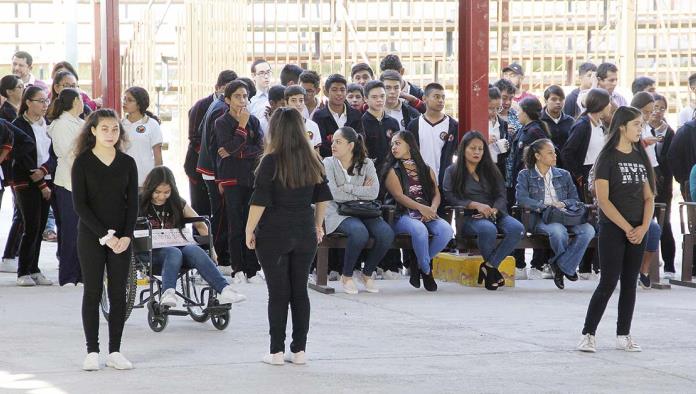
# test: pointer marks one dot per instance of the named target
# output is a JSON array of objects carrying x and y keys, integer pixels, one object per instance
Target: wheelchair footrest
[
  {"x": 176, "y": 312},
  {"x": 218, "y": 309}
]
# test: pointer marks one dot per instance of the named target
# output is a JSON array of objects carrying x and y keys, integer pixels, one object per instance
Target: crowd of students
[{"x": 375, "y": 138}]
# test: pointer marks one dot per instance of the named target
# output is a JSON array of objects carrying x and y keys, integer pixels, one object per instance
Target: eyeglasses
[
  {"x": 42, "y": 101},
  {"x": 69, "y": 86},
  {"x": 658, "y": 110},
  {"x": 266, "y": 73}
]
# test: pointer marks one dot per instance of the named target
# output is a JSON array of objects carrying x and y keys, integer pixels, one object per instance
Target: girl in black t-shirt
[{"x": 625, "y": 187}]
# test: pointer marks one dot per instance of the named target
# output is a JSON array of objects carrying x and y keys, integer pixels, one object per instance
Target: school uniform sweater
[
  {"x": 682, "y": 150},
  {"x": 575, "y": 149},
  {"x": 327, "y": 125},
  {"x": 207, "y": 156},
  {"x": 378, "y": 133},
  {"x": 559, "y": 131},
  {"x": 245, "y": 146},
  {"x": 24, "y": 164},
  {"x": 196, "y": 115}
]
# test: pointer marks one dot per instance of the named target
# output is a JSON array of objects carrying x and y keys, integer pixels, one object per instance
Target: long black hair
[
  {"x": 64, "y": 102},
  {"x": 485, "y": 169},
  {"x": 162, "y": 175},
  {"x": 142, "y": 100},
  {"x": 359, "y": 152},
  {"x": 531, "y": 106},
  {"x": 29, "y": 94},
  {"x": 426, "y": 180},
  {"x": 530, "y": 152},
  {"x": 622, "y": 116},
  {"x": 86, "y": 140},
  {"x": 8, "y": 82},
  {"x": 595, "y": 101}
]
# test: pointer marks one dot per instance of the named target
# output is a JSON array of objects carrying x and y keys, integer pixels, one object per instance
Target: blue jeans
[
  {"x": 171, "y": 259},
  {"x": 424, "y": 248},
  {"x": 569, "y": 253},
  {"x": 653, "y": 237},
  {"x": 486, "y": 233},
  {"x": 359, "y": 232}
]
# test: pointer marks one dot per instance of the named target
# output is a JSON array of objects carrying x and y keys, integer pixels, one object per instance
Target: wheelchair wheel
[
  {"x": 131, "y": 289},
  {"x": 220, "y": 321},
  {"x": 189, "y": 289},
  {"x": 155, "y": 318}
]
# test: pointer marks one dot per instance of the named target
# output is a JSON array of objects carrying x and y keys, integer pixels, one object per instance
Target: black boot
[
  {"x": 415, "y": 278},
  {"x": 557, "y": 276},
  {"x": 429, "y": 281}
]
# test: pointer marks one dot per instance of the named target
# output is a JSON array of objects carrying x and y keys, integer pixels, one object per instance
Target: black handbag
[
  {"x": 363, "y": 209},
  {"x": 568, "y": 216}
]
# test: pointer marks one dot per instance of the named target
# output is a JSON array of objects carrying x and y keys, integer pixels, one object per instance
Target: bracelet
[{"x": 109, "y": 234}]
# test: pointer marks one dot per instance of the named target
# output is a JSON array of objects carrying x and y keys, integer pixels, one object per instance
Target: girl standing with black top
[
  {"x": 105, "y": 197},
  {"x": 625, "y": 187},
  {"x": 285, "y": 230}
]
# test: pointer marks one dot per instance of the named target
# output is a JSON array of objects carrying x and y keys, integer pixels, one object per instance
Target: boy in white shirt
[
  {"x": 689, "y": 112},
  {"x": 295, "y": 98}
]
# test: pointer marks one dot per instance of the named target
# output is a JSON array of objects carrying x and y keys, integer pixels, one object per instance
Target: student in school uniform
[
  {"x": 587, "y": 73},
  {"x": 392, "y": 62},
  {"x": 337, "y": 113},
  {"x": 378, "y": 127},
  {"x": 144, "y": 133},
  {"x": 295, "y": 98},
  {"x": 276, "y": 99},
  {"x": 64, "y": 80},
  {"x": 355, "y": 96},
  {"x": 290, "y": 74},
  {"x": 311, "y": 83},
  {"x": 92, "y": 104},
  {"x": 361, "y": 73},
  {"x": 556, "y": 121},
  {"x": 198, "y": 192},
  {"x": 240, "y": 140},
  {"x": 11, "y": 88},
  {"x": 435, "y": 132},
  {"x": 688, "y": 113},
  {"x": 395, "y": 106},
  {"x": 6, "y": 141},
  {"x": 261, "y": 72},
  {"x": 498, "y": 138}
]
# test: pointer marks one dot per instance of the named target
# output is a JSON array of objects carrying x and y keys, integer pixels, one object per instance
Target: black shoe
[
  {"x": 486, "y": 274},
  {"x": 498, "y": 277},
  {"x": 429, "y": 281},
  {"x": 415, "y": 279},
  {"x": 572, "y": 278},
  {"x": 644, "y": 281},
  {"x": 557, "y": 276}
]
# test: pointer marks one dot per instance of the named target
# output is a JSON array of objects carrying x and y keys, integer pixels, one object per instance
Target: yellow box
[{"x": 463, "y": 268}]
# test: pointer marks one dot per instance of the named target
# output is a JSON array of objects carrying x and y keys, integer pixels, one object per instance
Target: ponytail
[
  {"x": 531, "y": 151},
  {"x": 62, "y": 103},
  {"x": 359, "y": 151},
  {"x": 142, "y": 100}
]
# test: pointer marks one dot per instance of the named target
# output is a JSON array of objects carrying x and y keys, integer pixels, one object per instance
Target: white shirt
[
  {"x": 398, "y": 114},
  {"x": 345, "y": 172},
  {"x": 650, "y": 149},
  {"x": 313, "y": 134},
  {"x": 549, "y": 191},
  {"x": 43, "y": 142},
  {"x": 64, "y": 132},
  {"x": 494, "y": 131},
  {"x": 431, "y": 139},
  {"x": 342, "y": 118},
  {"x": 686, "y": 115},
  {"x": 595, "y": 145},
  {"x": 258, "y": 103},
  {"x": 555, "y": 120},
  {"x": 143, "y": 135}
]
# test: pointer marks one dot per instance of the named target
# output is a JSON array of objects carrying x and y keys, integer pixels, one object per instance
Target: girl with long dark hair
[
  {"x": 66, "y": 66},
  {"x": 625, "y": 187},
  {"x": 285, "y": 230},
  {"x": 32, "y": 184},
  {"x": 11, "y": 88},
  {"x": 64, "y": 80},
  {"x": 64, "y": 130},
  {"x": 161, "y": 203},
  {"x": 474, "y": 182},
  {"x": 412, "y": 186},
  {"x": 105, "y": 196},
  {"x": 352, "y": 176},
  {"x": 143, "y": 130}
]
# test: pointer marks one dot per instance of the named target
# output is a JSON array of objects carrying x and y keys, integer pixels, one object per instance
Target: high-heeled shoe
[
  {"x": 486, "y": 274},
  {"x": 498, "y": 277}
]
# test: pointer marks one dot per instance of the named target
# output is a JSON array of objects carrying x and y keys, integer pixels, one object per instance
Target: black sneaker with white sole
[{"x": 644, "y": 281}]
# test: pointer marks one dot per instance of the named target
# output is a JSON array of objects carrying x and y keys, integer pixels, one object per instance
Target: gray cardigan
[{"x": 343, "y": 191}]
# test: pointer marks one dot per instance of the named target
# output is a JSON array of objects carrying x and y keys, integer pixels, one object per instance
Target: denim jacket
[{"x": 530, "y": 190}]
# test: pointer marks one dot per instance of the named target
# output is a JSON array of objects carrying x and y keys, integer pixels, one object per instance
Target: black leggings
[
  {"x": 237, "y": 210},
  {"x": 34, "y": 212},
  {"x": 14, "y": 236},
  {"x": 93, "y": 258},
  {"x": 618, "y": 259},
  {"x": 286, "y": 265}
]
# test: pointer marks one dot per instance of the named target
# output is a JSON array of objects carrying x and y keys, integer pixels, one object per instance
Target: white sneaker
[
  {"x": 25, "y": 281},
  {"x": 256, "y": 279},
  {"x": 298, "y": 358},
  {"x": 588, "y": 275},
  {"x": 368, "y": 283},
  {"x": 169, "y": 298},
  {"x": 668, "y": 275},
  {"x": 534, "y": 274},
  {"x": 8, "y": 265},
  {"x": 520, "y": 273},
  {"x": 239, "y": 278},
  {"x": 625, "y": 342},
  {"x": 349, "y": 285},
  {"x": 546, "y": 272},
  {"x": 378, "y": 274},
  {"x": 588, "y": 344},
  {"x": 229, "y": 296},
  {"x": 274, "y": 358},
  {"x": 225, "y": 270},
  {"x": 91, "y": 362},
  {"x": 41, "y": 280},
  {"x": 391, "y": 275},
  {"x": 334, "y": 276},
  {"x": 118, "y": 361}
]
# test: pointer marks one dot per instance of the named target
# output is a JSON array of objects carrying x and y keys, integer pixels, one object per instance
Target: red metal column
[
  {"x": 110, "y": 55},
  {"x": 473, "y": 66},
  {"x": 96, "y": 59}
]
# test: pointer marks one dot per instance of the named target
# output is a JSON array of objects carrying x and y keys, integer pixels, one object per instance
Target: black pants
[
  {"x": 93, "y": 259},
  {"x": 68, "y": 261},
  {"x": 619, "y": 260},
  {"x": 14, "y": 236},
  {"x": 200, "y": 202},
  {"x": 34, "y": 212},
  {"x": 664, "y": 195},
  {"x": 286, "y": 263},
  {"x": 219, "y": 223},
  {"x": 237, "y": 209}
]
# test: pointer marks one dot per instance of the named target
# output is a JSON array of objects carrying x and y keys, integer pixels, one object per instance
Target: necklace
[{"x": 161, "y": 215}]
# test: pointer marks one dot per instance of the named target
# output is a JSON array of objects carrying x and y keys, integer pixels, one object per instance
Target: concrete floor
[{"x": 402, "y": 340}]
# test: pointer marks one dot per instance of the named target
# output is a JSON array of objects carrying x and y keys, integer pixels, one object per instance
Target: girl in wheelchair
[{"x": 163, "y": 207}]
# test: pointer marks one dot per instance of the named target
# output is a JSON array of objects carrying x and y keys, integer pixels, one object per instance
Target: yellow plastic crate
[{"x": 463, "y": 268}]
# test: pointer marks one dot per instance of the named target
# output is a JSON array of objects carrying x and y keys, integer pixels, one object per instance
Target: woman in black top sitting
[
  {"x": 105, "y": 197},
  {"x": 474, "y": 182},
  {"x": 285, "y": 230},
  {"x": 625, "y": 187},
  {"x": 165, "y": 209}
]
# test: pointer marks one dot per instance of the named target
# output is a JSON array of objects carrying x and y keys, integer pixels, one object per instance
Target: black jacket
[
  {"x": 327, "y": 125},
  {"x": 448, "y": 150},
  {"x": 377, "y": 136},
  {"x": 559, "y": 131},
  {"x": 245, "y": 146},
  {"x": 7, "y": 112},
  {"x": 404, "y": 182},
  {"x": 682, "y": 150},
  {"x": 415, "y": 91},
  {"x": 529, "y": 133},
  {"x": 571, "y": 104},
  {"x": 503, "y": 127},
  {"x": 24, "y": 157},
  {"x": 409, "y": 113},
  {"x": 195, "y": 114},
  {"x": 575, "y": 149}
]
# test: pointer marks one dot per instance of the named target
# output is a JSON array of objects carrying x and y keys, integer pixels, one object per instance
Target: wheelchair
[{"x": 200, "y": 302}]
